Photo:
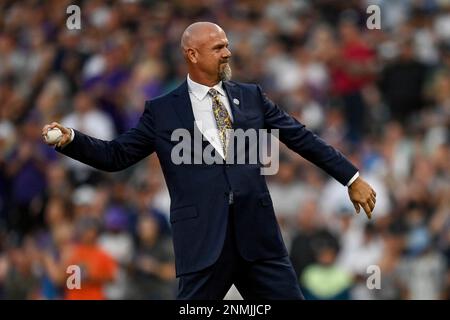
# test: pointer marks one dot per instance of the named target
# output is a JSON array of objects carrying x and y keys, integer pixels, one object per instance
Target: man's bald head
[
  {"x": 205, "y": 49},
  {"x": 198, "y": 33}
]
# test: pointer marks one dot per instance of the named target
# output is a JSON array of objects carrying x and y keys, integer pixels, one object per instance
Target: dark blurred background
[{"x": 381, "y": 96}]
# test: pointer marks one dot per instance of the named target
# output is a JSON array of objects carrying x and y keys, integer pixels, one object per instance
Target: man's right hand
[{"x": 66, "y": 138}]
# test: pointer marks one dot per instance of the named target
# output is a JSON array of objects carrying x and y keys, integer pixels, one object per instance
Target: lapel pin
[{"x": 236, "y": 101}]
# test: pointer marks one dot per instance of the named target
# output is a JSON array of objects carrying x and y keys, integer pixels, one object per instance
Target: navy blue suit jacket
[{"x": 199, "y": 192}]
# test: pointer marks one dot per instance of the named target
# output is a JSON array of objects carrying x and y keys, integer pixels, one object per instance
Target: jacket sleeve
[
  {"x": 118, "y": 154},
  {"x": 308, "y": 145}
]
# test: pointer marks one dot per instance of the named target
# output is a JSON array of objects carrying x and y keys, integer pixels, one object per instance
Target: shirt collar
[{"x": 200, "y": 91}]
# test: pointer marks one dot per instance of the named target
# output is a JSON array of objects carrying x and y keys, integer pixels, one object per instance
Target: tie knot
[{"x": 213, "y": 92}]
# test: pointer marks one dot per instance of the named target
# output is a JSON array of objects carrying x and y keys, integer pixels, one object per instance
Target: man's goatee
[{"x": 226, "y": 73}]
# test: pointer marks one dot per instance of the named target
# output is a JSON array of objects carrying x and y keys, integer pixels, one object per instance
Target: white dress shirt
[{"x": 203, "y": 113}]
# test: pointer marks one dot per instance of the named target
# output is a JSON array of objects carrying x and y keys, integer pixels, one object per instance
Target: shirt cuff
[
  {"x": 72, "y": 135},
  {"x": 353, "y": 179}
]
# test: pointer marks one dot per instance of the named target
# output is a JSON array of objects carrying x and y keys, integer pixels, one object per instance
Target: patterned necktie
[{"x": 222, "y": 117}]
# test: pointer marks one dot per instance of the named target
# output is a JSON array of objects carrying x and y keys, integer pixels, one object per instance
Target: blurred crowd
[{"x": 382, "y": 97}]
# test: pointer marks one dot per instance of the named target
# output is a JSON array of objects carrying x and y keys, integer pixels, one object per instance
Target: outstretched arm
[
  {"x": 301, "y": 140},
  {"x": 115, "y": 155}
]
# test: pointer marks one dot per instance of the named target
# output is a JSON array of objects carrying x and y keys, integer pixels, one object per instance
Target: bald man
[{"x": 223, "y": 223}]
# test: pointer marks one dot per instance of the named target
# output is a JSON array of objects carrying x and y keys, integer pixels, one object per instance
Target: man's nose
[{"x": 227, "y": 53}]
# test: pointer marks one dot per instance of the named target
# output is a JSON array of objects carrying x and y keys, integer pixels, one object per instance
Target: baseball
[{"x": 53, "y": 136}]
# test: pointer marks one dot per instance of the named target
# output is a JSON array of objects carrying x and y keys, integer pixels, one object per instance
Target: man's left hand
[{"x": 362, "y": 194}]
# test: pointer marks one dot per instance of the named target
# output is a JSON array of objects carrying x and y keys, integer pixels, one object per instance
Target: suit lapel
[
  {"x": 183, "y": 107},
  {"x": 234, "y": 94}
]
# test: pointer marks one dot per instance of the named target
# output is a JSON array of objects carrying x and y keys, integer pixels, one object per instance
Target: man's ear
[{"x": 192, "y": 55}]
